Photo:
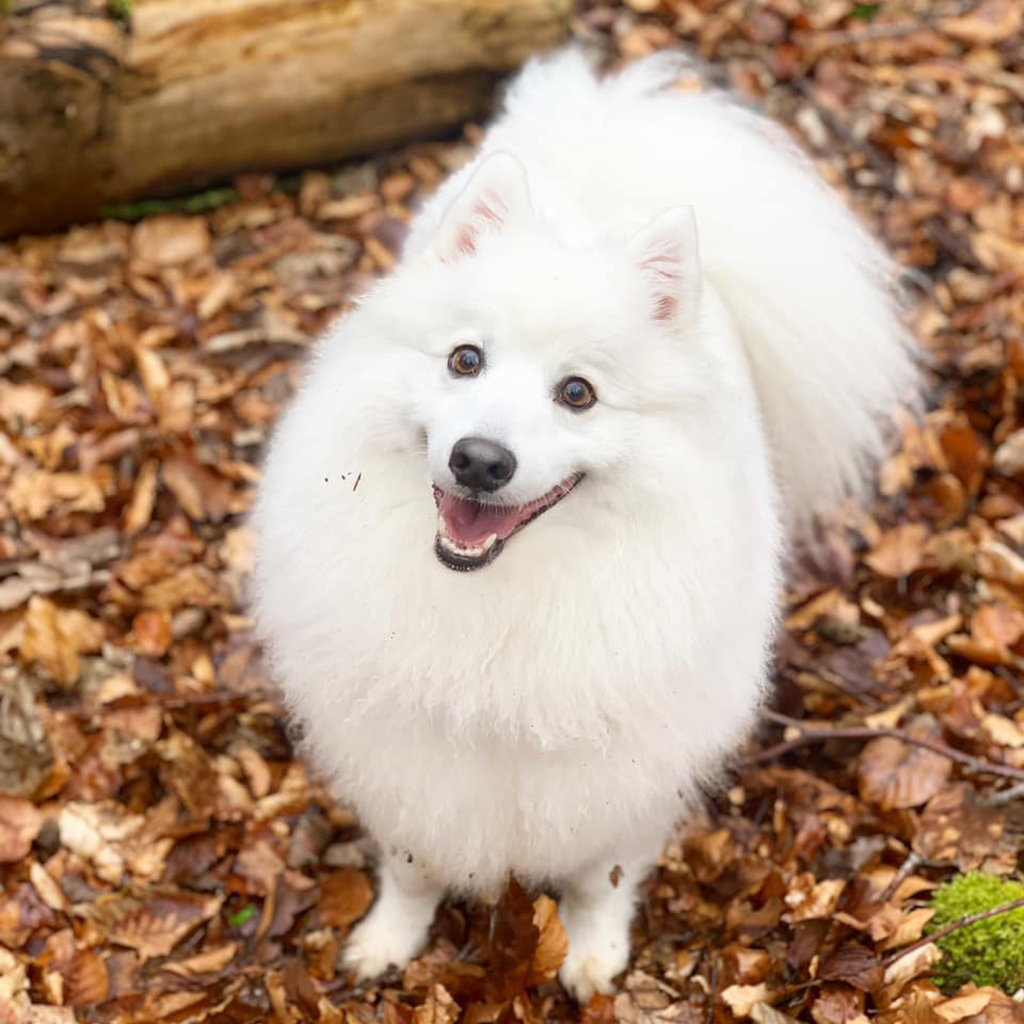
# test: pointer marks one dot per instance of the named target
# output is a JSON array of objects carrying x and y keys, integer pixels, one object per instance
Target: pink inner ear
[
  {"x": 664, "y": 274},
  {"x": 465, "y": 242},
  {"x": 492, "y": 208},
  {"x": 489, "y": 209}
]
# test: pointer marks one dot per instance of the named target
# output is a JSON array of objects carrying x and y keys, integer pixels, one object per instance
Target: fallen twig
[
  {"x": 713, "y": 992},
  {"x": 1004, "y": 796},
  {"x": 905, "y": 871},
  {"x": 816, "y": 734},
  {"x": 983, "y": 915},
  {"x": 894, "y": 29}
]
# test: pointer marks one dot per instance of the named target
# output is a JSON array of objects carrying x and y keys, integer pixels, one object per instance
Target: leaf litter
[{"x": 163, "y": 853}]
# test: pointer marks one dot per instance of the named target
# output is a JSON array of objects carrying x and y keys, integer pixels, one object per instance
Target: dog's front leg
[
  {"x": 596, "y": 909},
  {"x": 396, "y": 928}
]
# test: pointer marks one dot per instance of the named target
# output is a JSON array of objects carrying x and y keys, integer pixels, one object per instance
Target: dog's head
[{"x": 537, "y": 367}]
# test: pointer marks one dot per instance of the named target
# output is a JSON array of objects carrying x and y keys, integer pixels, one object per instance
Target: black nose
[{"x": 481, "y": 465}]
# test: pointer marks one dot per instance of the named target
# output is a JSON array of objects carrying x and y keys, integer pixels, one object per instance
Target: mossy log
[{"x": 104, "y": 100}]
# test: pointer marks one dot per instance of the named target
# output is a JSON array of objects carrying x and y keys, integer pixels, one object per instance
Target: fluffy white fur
[{"x": 552, "y": 713}]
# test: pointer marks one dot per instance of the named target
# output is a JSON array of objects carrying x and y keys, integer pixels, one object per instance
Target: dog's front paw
[
  {"x": 381, "y": 941},
  {"x": 589, "y": 973},
  {"x": 597, "y": 953}
]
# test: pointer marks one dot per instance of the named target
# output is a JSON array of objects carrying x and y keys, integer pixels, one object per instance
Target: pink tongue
[{"x": 471, "y": 523}]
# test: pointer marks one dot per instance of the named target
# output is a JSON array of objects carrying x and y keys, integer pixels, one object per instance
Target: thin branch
[
  {"x": 905, "y": 871},
  {"x": 895, "y": 29},
  {"x": 811, "y": 734},
  {"x": 713, "y": 993},
  {"x": 1002, "y": 797},
  {"x": 984, "y": 915}
]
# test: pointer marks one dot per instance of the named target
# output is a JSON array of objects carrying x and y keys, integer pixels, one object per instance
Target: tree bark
[{"x": 94, "y": 109}]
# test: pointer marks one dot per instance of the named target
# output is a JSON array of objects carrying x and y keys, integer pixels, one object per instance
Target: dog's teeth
[
  {"x": 466, "y": 550},
  {"x": 442, "y": 526},
  {"x": 490, "y": 542}
]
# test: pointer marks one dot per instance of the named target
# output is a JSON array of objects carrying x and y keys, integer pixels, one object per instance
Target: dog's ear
[
  {"x": 666, "y": 253},
  {"x": 496, "y": 194}
]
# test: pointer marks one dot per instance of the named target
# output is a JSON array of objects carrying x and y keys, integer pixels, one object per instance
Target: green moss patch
[{"x": 990, "y": 952}]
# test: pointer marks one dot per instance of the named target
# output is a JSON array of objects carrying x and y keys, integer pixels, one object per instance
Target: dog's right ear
[{"x": 495, "y": 194}]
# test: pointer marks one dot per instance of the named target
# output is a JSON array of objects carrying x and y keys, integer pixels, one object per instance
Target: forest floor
[{"x": 165, "y": 856}]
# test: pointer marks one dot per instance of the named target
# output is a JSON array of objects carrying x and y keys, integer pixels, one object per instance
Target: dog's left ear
[
  {"x": 666, "y": 253},
  {"x": 496, "y": 194}
]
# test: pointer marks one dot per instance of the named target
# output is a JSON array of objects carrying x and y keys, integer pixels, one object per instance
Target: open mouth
[{"x": 471, "y": 534}]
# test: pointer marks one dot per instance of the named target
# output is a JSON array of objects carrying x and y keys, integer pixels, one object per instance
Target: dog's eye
[
  {"x": 576, "y": 393},
  {"x": 466, "y": 361}
]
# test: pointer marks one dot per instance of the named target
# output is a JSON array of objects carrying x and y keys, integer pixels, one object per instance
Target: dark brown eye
[
  {"x": 466, "y": 361},
  {"x": 576, "y": 393}
]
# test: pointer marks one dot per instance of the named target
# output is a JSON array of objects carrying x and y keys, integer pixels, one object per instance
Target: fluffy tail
[{"x": 811, "y": 291}]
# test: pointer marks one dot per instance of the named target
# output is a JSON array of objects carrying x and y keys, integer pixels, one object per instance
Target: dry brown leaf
[
  {"x": 170, "y": 240},
  {"x": 899, "y": 551},
  {"x": 210, "y": 961},
  {"x": 345, "y": 896},
  {"x": 203, "y": 495},
  {"x": 1004, "y": 731},
  {"x": 741, "y": 999},
  {"x": 260, "y": 864},
  {"x": 912, "y": 965},
  {"x": 55, "y": 637},
  {"x": 37, "y": 1014},
  {"x": 155, "y": 925},
  {"x": 153, "y": 634},
  {"x": 86, "y": 980},
  {"x": 34, "y": 494},
  {"x": 100, "y": 834},
  {"x": 955, "y": 828},
  {"x": 49, "y": 891},
  {"x": 893, "y": 774},
  {"x": 998, "y": 624},
  {"x": 1009, "y": 456},
  {"x": 956, "y": 1009},
  {"x": 238, "y": 550},
  {"x": 854, "y": 965},
  {"x": 838, "y": 1004},
  {"x": 139, "y": 510},
  {"x": 25, "y": 757},
  {"x": 23, "y": 401},
  {"x": 748, "y": 966},
  {"x": 997, "y": 562},
  {"x": 765, "y": 1013},
  {"x": 552, "y": 942},
  {"x": 155, "y": 378},
  {"x": 438, "y": 1008},
  {"x": 910, "y": 928},
  {"x": 992, "y": 21},
  {"x": 20, "y": 822},
  {"x": 819, "y": 902},
  {"x": 257, "y": 771}
]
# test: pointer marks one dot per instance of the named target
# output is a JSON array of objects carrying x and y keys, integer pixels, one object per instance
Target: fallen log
[{"x": 106, "y": 100}]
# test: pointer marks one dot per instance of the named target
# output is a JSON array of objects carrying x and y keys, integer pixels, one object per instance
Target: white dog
[{"x": 521, "y": 531}]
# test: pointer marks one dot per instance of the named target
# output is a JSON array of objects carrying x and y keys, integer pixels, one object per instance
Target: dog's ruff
[{"x": 552, "y": 712}]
